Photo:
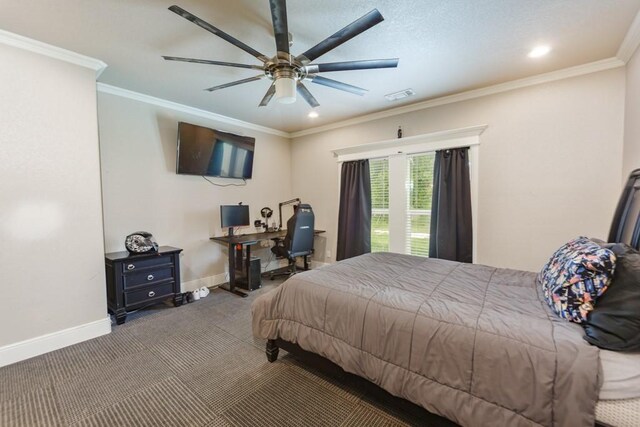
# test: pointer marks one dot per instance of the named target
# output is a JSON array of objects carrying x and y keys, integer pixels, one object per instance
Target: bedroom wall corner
[
  {"x": 631, "y": 153},
  {"x": 51, "y": 239}
]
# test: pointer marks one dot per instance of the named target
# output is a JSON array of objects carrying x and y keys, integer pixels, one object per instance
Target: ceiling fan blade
[
  {"x": 352, "y": 65},
  {"x": 205, "y": 25},
  {"x": 337, "y": 85},
  {"x": 347, "y": 33},
  {"x": 280, "y": 26},
  {"x": 206, "y": 61},
  {"x": 237, "y": 82},
  {"x": 304, "y": 92},
  {"x": 267, "y": 96}
]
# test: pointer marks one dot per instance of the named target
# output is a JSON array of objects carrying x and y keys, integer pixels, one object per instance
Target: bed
[{"x": 475, "y": 344}]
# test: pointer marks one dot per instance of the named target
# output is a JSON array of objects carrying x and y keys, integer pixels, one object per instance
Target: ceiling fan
[{"x": 287, "y": 72}]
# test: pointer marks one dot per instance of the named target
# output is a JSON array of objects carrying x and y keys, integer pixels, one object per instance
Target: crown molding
[
  {"x": 592, "y": 67},
  {"x": 25, "y": 43},
  {"x": 631, "y": 41},
  {"x": 125, "y": 93}
]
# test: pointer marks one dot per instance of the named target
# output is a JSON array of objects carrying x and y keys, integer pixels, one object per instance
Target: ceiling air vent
[{"x": 399, "y": 95}]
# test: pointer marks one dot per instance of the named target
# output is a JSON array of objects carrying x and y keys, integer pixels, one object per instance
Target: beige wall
[
  {"x": 51, "y": 247},
  {"x": 550, "y": 164},
  {"x": 141, "y": 190},
  {"x": 632, "y": 117}
]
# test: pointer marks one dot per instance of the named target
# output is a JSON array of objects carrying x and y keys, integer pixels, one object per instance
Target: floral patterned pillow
[{"x": 575, "y": 276}]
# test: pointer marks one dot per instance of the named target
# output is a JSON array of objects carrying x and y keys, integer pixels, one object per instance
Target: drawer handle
[
  {"x": 150, "y": 277},
  {"x": 152, "y": 294},
  {"x": 131, "y": 267}
]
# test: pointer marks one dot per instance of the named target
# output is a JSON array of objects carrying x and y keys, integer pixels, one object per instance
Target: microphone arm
[{"x": 280, "y": 205}]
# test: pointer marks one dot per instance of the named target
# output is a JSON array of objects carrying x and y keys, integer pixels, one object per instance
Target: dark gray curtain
[
  {"x": 354, "y": 217},
  {"x": 451, "y": 230}
]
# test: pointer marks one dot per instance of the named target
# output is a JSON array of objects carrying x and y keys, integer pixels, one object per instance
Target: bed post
[{"x": 272, "y": 351}]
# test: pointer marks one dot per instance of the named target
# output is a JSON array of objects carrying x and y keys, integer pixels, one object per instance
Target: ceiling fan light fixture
[{"x": 286, "y": 90}]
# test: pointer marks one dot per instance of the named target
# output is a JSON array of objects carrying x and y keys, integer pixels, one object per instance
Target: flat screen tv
[{"x": 209, "y": 152}]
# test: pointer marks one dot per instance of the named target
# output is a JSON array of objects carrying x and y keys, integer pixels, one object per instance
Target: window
[
  {"x": 419, "y": 189},
  {"x": 400, "y": 221},
  {"x": 379, "y": 170},
  {"x": 402, "y": 185}
]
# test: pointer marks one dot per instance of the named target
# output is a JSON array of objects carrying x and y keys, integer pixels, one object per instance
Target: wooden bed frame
[
  {"x": 372, "y": 390},
  {"x": 324, "y": 365}
]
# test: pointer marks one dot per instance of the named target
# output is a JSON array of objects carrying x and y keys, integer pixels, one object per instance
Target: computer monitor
[{"x": 234, "y": 216}]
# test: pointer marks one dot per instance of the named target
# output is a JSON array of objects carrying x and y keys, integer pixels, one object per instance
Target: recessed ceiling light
[
  {"x": 539, "y": 51},
  {"x": 313, "y": 114}
]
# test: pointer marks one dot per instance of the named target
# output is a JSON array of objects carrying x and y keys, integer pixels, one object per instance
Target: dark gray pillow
[{"x": 614, "y": 324}]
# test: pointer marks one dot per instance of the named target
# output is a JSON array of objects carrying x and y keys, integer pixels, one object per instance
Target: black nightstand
[{"x": 134, "y": 281}]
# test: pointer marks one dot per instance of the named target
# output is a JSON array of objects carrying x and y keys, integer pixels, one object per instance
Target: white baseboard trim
[
  {"x": 284, "y": 263},
  {"x": 209, "y": 282},
  {"x": 275, "y": 264},
  {"x": 218, "y": 279},
  {"x": 318, "y": 264},
  {"x": 32, "y": 347}
]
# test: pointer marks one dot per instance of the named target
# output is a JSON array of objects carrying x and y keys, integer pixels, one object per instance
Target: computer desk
[{"x": 238, "y": 243}]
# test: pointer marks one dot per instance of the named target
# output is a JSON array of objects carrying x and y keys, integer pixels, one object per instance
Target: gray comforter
[{"x": 472, "y": 343}]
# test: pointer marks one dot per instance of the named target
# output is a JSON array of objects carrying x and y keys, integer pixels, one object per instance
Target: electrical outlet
[{"x": 328, "y": 255}]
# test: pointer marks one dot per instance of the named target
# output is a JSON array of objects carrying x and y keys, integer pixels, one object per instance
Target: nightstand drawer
[
  {"x": 147, "y": 277},
  {"x": 136, "y": 280},
  {"x": 150, "y": 293},
  {"x": 134, "y": 265}
]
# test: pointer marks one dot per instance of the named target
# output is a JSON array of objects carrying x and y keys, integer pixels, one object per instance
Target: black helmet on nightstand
[{"x": 141, "y": 242}]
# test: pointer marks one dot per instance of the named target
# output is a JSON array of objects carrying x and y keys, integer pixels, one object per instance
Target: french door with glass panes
[{"x": 401, "y": 191}]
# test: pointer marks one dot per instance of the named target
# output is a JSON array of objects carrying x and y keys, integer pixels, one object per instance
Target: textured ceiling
[{"x": 444, "y": 46}]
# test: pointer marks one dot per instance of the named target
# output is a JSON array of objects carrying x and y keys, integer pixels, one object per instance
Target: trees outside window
[
  {"x": 401, "y": 195},
  {"x": 379, "y": 169},
  {"x": 419, "y": 192}
]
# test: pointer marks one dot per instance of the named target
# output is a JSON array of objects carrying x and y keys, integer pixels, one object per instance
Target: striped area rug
[{"x": 196, "y": 365}]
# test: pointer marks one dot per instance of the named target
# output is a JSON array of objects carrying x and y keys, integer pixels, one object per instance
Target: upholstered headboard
[{"x": 626, "y": 221}]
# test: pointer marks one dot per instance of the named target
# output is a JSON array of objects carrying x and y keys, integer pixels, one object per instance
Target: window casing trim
[{"x": 442, "y": 140}]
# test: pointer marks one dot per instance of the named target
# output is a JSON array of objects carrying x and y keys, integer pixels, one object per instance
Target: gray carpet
[{"x": 196, "y": 365}]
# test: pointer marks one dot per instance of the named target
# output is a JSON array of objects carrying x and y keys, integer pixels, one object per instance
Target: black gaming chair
[
  {"x": 299, "y": 240},
  {"x": 626, "y": 221}
]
